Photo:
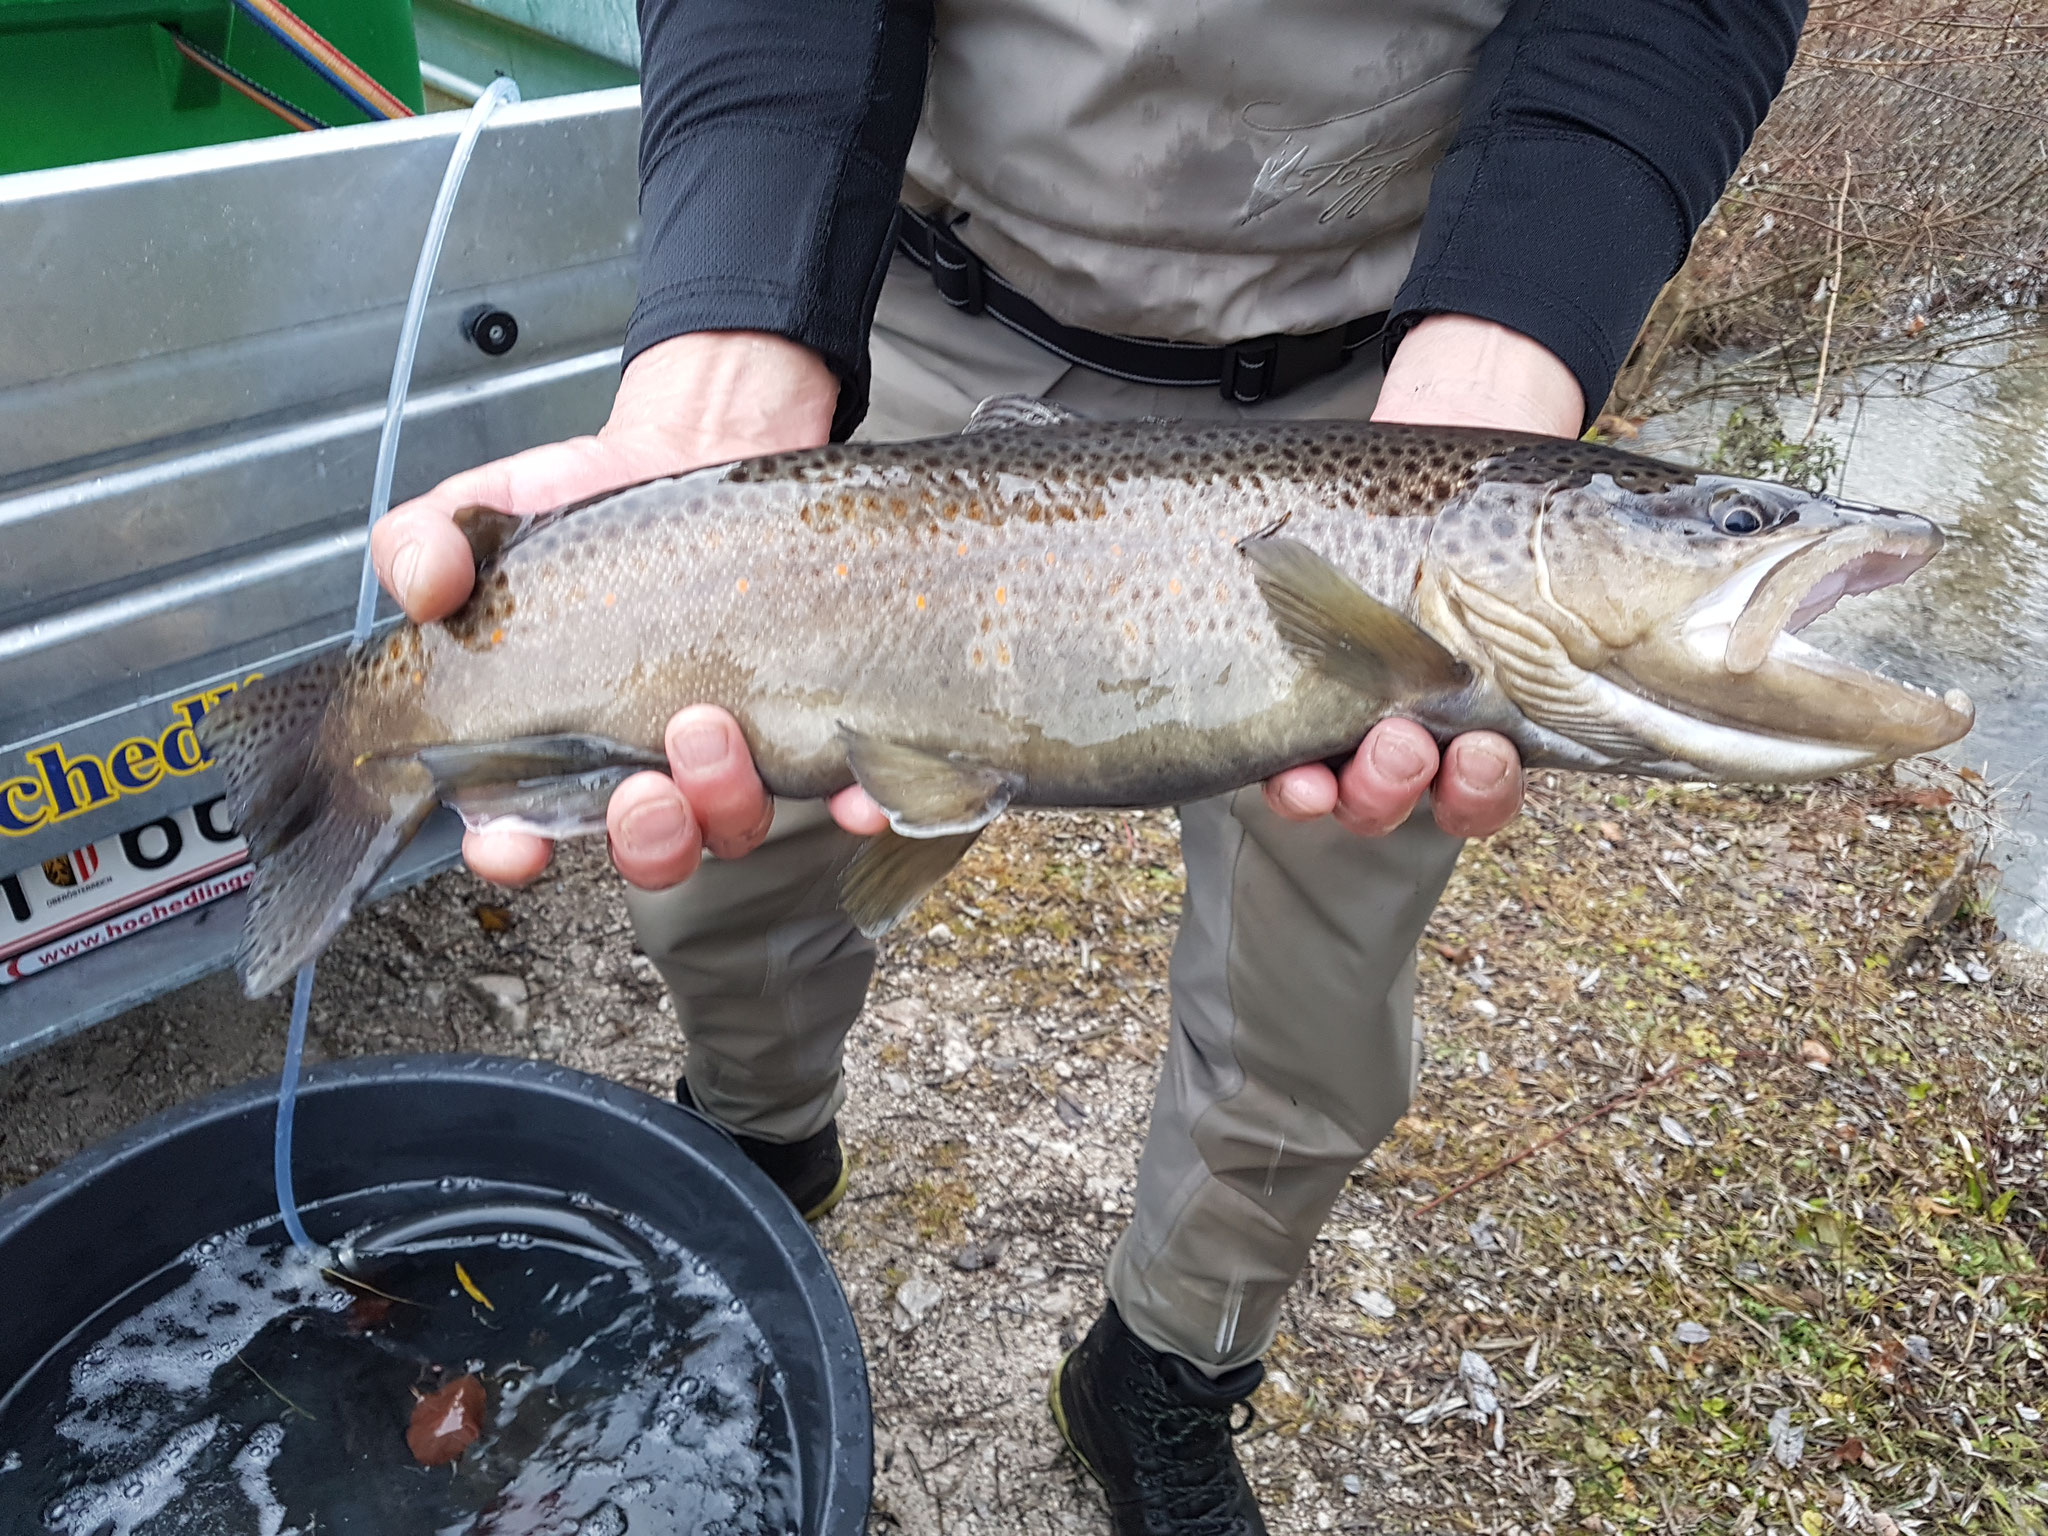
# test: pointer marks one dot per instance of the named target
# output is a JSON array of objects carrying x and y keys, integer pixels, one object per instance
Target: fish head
[{"x": 1650, "y": 615}]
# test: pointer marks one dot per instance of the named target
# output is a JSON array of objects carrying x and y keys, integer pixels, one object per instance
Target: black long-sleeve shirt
[{"x": 1595, "y": 138}]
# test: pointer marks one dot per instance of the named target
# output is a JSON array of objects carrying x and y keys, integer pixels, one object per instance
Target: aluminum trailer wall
[{"x": 194, "y": 352}]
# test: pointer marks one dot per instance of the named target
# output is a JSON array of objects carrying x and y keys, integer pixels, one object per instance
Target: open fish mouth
[{"x": 1770, "y": 680}]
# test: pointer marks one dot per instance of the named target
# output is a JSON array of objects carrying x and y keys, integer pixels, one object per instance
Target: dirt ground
[{"x": 1750, "y": 1103}]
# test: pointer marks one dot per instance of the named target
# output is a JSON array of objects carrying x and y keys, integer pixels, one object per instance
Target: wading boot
[
  {"x": 1155, "y": 1433},
  {"x": 811, "y": 1172}
]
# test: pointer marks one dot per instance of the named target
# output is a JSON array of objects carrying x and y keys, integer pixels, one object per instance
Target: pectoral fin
[
  {"x": 1000, "y": 411},
  {"x": 928, "y": 794},
  {"x": 890, "y": 874},
  {"x": 488, "y": 531},
  {"x": 553, "y": 786},
  {"x": 1337, "y": 627}
]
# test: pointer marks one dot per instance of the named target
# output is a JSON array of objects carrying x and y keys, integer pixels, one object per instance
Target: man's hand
[
  {"x": 695, "y": 400},
  {"x": 1451, "y": 370}
]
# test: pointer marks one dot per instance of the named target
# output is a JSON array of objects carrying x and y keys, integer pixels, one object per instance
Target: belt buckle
[
  {"x": 957, "y": 272},
  {"x": 1249, "y": 368}
]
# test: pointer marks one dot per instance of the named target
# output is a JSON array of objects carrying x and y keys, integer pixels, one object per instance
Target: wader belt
[{"x": 1246, "y": 371}]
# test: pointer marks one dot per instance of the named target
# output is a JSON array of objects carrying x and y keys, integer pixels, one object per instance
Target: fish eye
[{"x": 1737, "y": 513}]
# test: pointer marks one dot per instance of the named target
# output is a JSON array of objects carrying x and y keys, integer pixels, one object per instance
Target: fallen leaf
[
  {"x": 470, "y": 1286},
  {"x": 446, "y": 1423},
  {"x": 367, "y": 1312},
  {"x": 1455, "y": 954},
  {"x": 1815, "y": 1054},
  {"x": 1851, "y": 1449},
  {"x": 1072, "y": 1112},
  {"x": 1788, "y": 1440},
  {"x": 494, "y": 919}
]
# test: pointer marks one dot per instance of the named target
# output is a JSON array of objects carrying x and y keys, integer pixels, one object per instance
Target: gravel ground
[{"x": 1657, "y": 995}]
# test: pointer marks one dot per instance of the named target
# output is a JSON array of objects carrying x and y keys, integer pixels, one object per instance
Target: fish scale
[{"x": 1044, "y": 612}]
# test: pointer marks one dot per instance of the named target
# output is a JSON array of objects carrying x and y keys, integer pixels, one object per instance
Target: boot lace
[{"x": 1182, "y": 1457}]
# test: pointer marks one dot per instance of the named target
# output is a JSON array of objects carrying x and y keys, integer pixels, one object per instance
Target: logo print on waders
[{"x": 1327, "y": 164}]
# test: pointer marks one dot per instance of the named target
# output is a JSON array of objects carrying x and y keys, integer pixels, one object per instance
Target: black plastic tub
[{"x": 82, "y": 1236}]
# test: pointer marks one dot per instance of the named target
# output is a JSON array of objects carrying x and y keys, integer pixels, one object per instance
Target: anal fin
[
  {"x": 890, "y": 875},
  {"x": 926, "y": 793},
  {"x": 1337, "y": 627},
  {"x": 552, "y": 786}
]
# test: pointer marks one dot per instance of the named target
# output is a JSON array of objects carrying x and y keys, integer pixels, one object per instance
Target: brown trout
[{"x": 1050, "y": 612}]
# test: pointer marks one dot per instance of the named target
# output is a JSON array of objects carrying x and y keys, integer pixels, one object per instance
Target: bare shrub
[{"x": 1893, "y": 209}]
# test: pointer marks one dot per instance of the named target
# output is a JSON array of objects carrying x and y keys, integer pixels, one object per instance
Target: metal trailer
[{"x": 194, "y": 354}]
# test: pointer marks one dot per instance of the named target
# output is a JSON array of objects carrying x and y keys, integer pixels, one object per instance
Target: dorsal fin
[{"x": 1001, "y": 411}]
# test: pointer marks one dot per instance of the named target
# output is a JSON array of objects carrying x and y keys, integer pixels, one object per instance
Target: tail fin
[{"x": 320, "y": 824}]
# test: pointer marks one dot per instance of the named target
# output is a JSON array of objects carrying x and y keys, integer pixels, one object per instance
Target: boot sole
[
  {"x": 826, "y": 1206},
  {"x": 1059, "y": 1419}
]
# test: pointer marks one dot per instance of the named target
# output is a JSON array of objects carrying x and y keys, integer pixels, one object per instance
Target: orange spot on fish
[
  {"x": 839, "y": 570},
  {"x": 1174, "y": 587},
  {"x": 1130, "y": 631},
  {"x": 920, "y": 602},
  {"x": 977, "y": 656},
  {"x": 1001, "y": 596},
  {"x": 740, "y": 586},
  {"x": 1002, "y": 655},
  {"x": 1117, "y": 550},
  {"x": 1051, "y": 558},
  {"x": 497, "y": 637},
  {"x": 962, "y": 550},
  {"x": 611, "y": 599}
]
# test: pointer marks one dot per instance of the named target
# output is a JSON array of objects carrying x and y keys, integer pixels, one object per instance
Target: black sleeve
[
  {"x": 771, "y": 155},
  {"x": 1596, "y": 137}
]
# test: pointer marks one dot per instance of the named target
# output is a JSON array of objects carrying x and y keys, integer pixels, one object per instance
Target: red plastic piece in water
[{"x": 446, "y": 1423}]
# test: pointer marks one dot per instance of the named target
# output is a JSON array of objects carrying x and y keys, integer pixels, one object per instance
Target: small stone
[
  {"x": 938, "y": 933},
  {"x": 915, "y": 1299},
  {"x": 1056, "y": 1303},
  {"x": 982, "y": 1255},
  {"x": 1690, "y": 1332},
  {"x": 1814, "y": 1053},
  {"x": 896, "y": 1083},
  {"x": 1484, "y": 1008},
  {"x": 1678, "y": 1133},
  {"x": 956, "y": 1051},
  {"x": 505, "y": 996},
  {"x": 1351, "y": 1485},
  {"x": 1590, "y": 980},
  {"x": 1918, "y": 1347}
]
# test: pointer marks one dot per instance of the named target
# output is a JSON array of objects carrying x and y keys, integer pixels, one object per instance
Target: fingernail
[
  {"x": 1486, "y": 767},
  {"x": 653, "y": 829},
  {"x": 1297, "y": 799},
  {"x": 405, "y": 568},
  {"x": 1398, "y": 757},
  {"x": 700, "y": 744}
]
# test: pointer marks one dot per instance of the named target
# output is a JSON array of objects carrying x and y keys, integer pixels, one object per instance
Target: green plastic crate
[{"x": 98, "y": 79}]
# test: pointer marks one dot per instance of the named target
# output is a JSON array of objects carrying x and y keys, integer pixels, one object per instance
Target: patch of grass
[{"x": 1828, "y": 1201}]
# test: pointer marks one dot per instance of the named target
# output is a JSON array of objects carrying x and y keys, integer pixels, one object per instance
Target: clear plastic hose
[{"x": 501, "y": 91}]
